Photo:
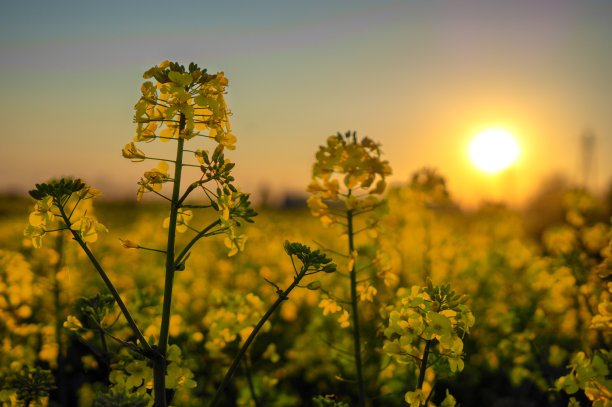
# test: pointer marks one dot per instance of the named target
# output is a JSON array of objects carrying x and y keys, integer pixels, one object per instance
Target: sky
[{"x": 420, "y": 77}]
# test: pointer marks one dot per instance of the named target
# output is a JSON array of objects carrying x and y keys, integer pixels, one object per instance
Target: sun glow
[{"x": 493, "y": 150}]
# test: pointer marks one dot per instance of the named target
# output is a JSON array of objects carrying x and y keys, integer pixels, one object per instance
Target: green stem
[
  {"x": 424, "y": 364},
  {"x": 282, "y": 296},
  {"x": 187, "y": 192},
  {"x": 108, "y": 283},
  {"x": 159, "y": 365},
  {"x": 247, "y": 372},
  {"x": 105, "y": 357},
  {"x": 356, "y": 336},
  {"x": 61, "y": 370},
  {"x": 151, "y": 250},
  {"x": 200, "y": 235}
]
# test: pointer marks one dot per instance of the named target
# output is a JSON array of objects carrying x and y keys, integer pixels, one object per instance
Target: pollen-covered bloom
[
  {"x": 234, "y": 243},
  {"x": 415, "y": 398},
  {"x": 435, "y": 314},
  {"x": 344, "y": 319},
  {"x": 232, "y": 205},
  {"x": 181, "y": 103},
  {"x": 329, "y": 306},
  {"x": 590, "y": 374},
  {"x": 63, "y": 204},
  {"x": 88, "y": 228},
  {"x": 350, "y": 171},
  {"x": 130, "y": 151},
  {"x": 366, "y": 292},
  {"x": 153, "y": 179},
  {"x": 129, "y": 244}
]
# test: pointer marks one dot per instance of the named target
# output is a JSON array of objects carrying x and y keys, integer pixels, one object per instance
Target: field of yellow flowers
[
  {"x": 541, "y": 306},
  {"x": 369, "y": 295}
]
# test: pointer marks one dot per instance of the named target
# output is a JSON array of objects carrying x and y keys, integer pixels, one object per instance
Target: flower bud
[
  {"x": 315, "y": 285},
  {"x": 128, "y": 244},
  {"x": 329, "y": 268},
  {"x": 287, "y": 247}
]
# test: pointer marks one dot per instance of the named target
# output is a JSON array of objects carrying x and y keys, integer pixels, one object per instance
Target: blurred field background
[
  {"x": 529, "y": 244},
  {"x": 531, "y": 276}
]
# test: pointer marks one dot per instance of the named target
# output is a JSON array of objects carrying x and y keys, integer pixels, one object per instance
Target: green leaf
[
  {"x": 201, "y": 100},
  {"x": 183, "y": 79}
]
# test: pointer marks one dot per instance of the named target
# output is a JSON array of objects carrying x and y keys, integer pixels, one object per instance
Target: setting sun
[{"x": 493, "y": 150}]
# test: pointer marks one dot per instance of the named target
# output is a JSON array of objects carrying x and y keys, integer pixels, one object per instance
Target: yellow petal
[
  {"x": 163, "y": 166},
  {"x": 167, "y": 134}
]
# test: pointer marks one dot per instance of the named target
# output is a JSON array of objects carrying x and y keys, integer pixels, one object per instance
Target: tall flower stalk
[
  {"x": 182, "y": 104},
  {"x": 353, "y": 173}
]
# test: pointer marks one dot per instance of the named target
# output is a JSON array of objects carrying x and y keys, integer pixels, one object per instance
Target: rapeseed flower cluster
[
  {"x": 181, "y": 104},
  {"x": 435, "y": 314},
  {"x": 426, "y": 328},
  {"x": 63, "y": 204},
  {"x": 590, "y": 374},
  {"x": 350, "y": 171}
]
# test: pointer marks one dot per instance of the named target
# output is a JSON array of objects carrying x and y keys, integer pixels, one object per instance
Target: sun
[{"x": 493, "y": 150}]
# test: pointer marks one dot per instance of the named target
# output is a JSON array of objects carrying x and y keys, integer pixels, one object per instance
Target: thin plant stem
[
  {"x": 325, "y": 249},
  {"x": 61, "y": 367},
  {"x": 108, "y": 283},
  {"x": 282, "y": 296},
  {"x": 247, "y": 371},
  {"x": 105, "y": 353},
  {"x": 159, "y": 159},
  {"x": 159, "y": 365},
  {"x": 193, "y": 241},
  {"x": 74, "y": 207},
  {"x": 356, "y": 337},
  {"x": 424, "y": 364},
  {"x": 196, "y": 206},
  {"x": 122, "y": 342},
  {"x": 151, "y": 249},
  {"x": 186, "y": 193}
]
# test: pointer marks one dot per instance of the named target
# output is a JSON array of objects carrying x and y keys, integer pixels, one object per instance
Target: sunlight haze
[
  {"x": 493, "y": 150},
  {"x": 421, "y": 78}
]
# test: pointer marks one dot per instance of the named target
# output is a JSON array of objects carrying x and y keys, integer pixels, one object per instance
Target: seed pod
[{"x": 315, "y": 285}]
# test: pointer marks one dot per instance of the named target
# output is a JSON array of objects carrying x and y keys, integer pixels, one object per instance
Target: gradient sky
[{"x": 421, "y": 78}]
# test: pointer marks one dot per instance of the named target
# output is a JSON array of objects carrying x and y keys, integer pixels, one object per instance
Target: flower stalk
[
  {"x": 423, "y": 366},
  {"x": 355, "y": 309},
  {"x": 177, "y": 106},
  {"x": 61, "y": 365},
  {"x": 77, "y": 237},
  {"x": 352, "y": 172},
  {"x": 159, "y": 365}
]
